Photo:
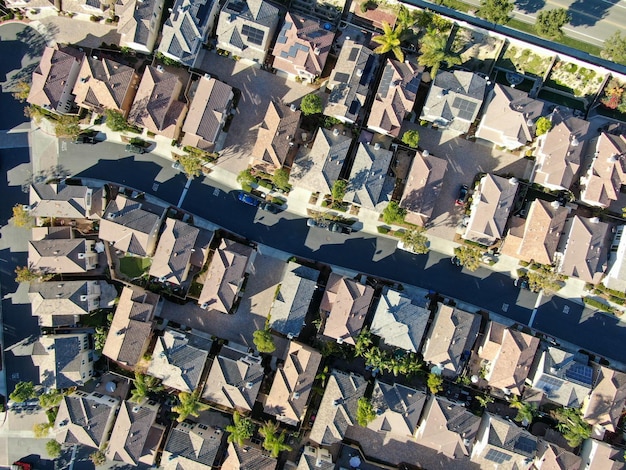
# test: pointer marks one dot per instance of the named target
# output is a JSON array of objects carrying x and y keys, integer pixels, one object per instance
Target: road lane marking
[
  {"x": 216, "y": 192},
  {"x": 182, "y": 196},
  {"x": 566, "y": 309},
  {"x": 537, "y": 303}
]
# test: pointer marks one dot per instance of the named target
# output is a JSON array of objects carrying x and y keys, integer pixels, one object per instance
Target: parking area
[{"x": 258, "y": 87}]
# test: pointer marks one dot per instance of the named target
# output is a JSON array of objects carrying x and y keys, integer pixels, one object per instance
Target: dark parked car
[
  {"x": 131, "y": 148},
  {"x": 248, "y": 199},
  {"x": 460, "y": 200},
  {"x": 455, "y": 261},
  {"x": 339, "y": 228},
  {"x": 85, "y": 139},
  {"x": 269, "y": 207}
]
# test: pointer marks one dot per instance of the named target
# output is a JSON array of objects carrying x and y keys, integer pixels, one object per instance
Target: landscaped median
[{"x": 605, "y": 299}]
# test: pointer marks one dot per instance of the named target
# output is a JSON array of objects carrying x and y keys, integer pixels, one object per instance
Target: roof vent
[
  {"x": 359, "y": 72},
  {"x": 135, "y": 409},
  {"x": 159, "y": 68},
  {"x": 249, "y": 385},
  {"x": 317, "y": 51},
  {"x": 377, "y": 146},
  {"x": 555, "y": 204},
  {"x": 594, "y": 220},
  {"x": 83, "y": 298},
  {"x": 94, "y": 57},
  {"x": 207, "y": 76},
  {"x": 293, "y": 107},
  {"x": 425, "y": 153},
  {"x": 296, "y": 395},
  {"x": 81, "y": 255},
  {"x": 335, "y": 131},
  {"x": 614, "y": 158},
  {"x": 575, "y": 142},
  {"x": 513, "y": 180}
]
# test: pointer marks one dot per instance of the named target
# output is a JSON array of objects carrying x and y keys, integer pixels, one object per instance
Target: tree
[
  {"x": 434, "y": 383},
  {"x": 264, "y": 341},
  {"x": 273, "y": 442},
  {"x": 242, "y": 429},
  {"x": 41, "y": 430},
  {"x": 189, "y": 404},
  {"x": 544, "y": 280},
  {"x": 406, "y": 18},
  {"x": 526, "y": 412},
  {"x": 468, "y": 256},
  {"x": 53, "y": 448},
  {"x": 144, "y": 384},
  {"x": 98, "y": 458},
  {"x": 22, "y": 89},
  {"x": 311, "y": 104},
  {"x": 25, "y": 274},
  {"x": 246, "y": 178},
  {"x": 50, "y": 399},
  {"x": 415, "y": 241},
  {"x": 67, "y": 126},
  {"x": 390, "y": 40},
  {"x": 411, "y": 138},
  {"x": 21, "y": 217},
  {"x": 280, "y": 178},
  {"x": 542, "y": 126},
  {"x": 115, "y": 120},
  {"x": 434, "y": 52},
  {"x": 363, "y": 342},
  {"x": 549, "y": 23},
  {"x": 339, "y": 190},
  {"x": 365, "y": 413},
  {"x": 192, "y": 165},
  {"x": 496, "y": 11},
  {"x": 23, "y": 391},
  {"x": 572, "y": 425},
  {"x": 393, "y": 213},
  {"x": 614, "y": 48},
  {"x": 484, "y": 400}
]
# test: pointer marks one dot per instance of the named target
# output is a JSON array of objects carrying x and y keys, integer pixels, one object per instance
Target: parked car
[
  {"x": 269, "y": 207},
  {"x": 84, "y": 139},
  {"x": 339, "y": 228},
  {"x": 455, "y": 261},
  {"x": 321, "y": 223},
  {"x": 249, "y": 199},
  {"x": 460, "y": 200},
  {"x": 132, "y": 148}
]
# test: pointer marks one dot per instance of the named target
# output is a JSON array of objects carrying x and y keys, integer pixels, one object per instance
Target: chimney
[
  {"x": 425, "y": 153},
  {"x": 293, "y": 107}
]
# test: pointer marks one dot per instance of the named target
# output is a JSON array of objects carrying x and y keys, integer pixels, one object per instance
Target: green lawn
[{"x": 133, "y": 266}]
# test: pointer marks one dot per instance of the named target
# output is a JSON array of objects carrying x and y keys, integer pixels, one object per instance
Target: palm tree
[
  {"x": 572, "y": 425},
  {"x": 274, "y": 442},
  {"x": 433, "y": 52},
  {"x": 363, "y": 342},
  {"x": 189, "y": 405},
  {"x": 144, "y": 384},
  {"x": 526, "y": 412},
  {"x": 390, "y": 41},
  {"x": 241, "y": 430},
  {"x": 406, "y": 18},
  {"x": 484, "y": 400}
]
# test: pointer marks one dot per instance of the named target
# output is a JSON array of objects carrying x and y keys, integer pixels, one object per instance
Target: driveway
[
  {"x": 79, "y": 32},
  {"x": 258, "y": 87}
]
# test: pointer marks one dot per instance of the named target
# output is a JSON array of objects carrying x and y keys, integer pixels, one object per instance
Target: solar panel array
[
  {"x": 255, "y": 36},
  {"x": 496, "y": 456},
  {"x": 525, "y": 445},
  {"x": 413, "y": 85},
  {"x": 466, "y": 108},
  {"x": 385, "y": 81},
  {"x": 549, "y": 383},
  {"x": 236, "y": 6},
  {"x": 580, "y": 373}
]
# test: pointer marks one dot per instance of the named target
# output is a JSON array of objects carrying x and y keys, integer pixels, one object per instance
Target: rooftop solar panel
[
  {"x": 496, "y": 456},
  {"x": 255, "y": 36},
  {"x": 580, "y": 373}
]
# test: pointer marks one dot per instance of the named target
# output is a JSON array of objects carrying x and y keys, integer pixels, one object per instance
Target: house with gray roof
[
  {"x": 370, "y": 184},
  {"x": 64, "y": 361},
  {"x": 179, "y": 359},
  {"x": 61, "y": 201},
  {"x": 398, "y": 409},
  {"x": 62, "y": 255},
  {"x": 317, "y": 169},
  {"x": 315, "y": 458},
  {"x": 616, "y": 268},
  {"x": 501, "y": 444},
  {"x": 136, "y": 436},
  {"x": 400, "y": 320},
  {"x": 338, "y": 408},
  {"x": 454, "y": 100},
  {"x": 85, "y": 418},
  {"x": 192, "y": 446},
  {"x": 246, "y": 28},
  {"x": 186, "y": 29},
  {"x": 235, "y": 378},
  {"x": 292, "y": 300},
  {"x": 350, "y": 81},
  {"x": 550, "y": 455},
  {"x": 139, "y": 23},
  {"x": 130, "y": 228},
  {"x": 247, "y": 458}
]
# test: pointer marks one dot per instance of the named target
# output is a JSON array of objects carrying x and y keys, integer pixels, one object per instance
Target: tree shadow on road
[
  {"x": 589, "y": 12},
  {"x": 529, "y": 6}
]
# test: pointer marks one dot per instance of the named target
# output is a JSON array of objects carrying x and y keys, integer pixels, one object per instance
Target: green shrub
[
  {"x": 246, "y": 187},
  {"x": 599, "y": 305},
  {"x": 524, "y": 263},
  {"x": 383, "y": 229}
]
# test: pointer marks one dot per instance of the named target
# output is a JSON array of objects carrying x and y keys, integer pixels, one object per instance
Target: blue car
[{"x": 248, "y": 199}]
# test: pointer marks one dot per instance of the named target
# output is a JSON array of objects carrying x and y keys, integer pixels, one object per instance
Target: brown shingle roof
[
  {"x": 585, "y": 255},
  {"x": 247, "y": 458},
  {"x": 606, "y": 402},
  {"x": 274, "y": 143},
  {"x": 62, "y": 201},
  {"x": 607, "y": 173},
  {"x": 423, "y": 185}
]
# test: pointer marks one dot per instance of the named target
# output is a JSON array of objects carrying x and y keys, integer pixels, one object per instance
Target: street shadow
[
  {"x": 529, "y": 6},
  {"x": 589, "y": 12},
  {"x": 34, "y": 41}
]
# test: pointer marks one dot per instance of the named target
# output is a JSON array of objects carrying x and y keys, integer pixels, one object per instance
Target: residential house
[
  {"x": 326, "y": 10},
  {"x": 345, "y": 305},
  {"x": 64, "y": 360},
  {"x": 318, "y": 169},
  {"x": 598, "y": 455},
  {"x": 104, "y": 84},
  {"x": 39, "y": 6},
  {"x": 503, "y": 445},
  {"x": 584, "y": 251},
  {"x": 129, "y": 228},
  {"x": 235, "y": 378},
  {"x": 275, "y": 143},
  {"x": 61, "y": 303},
  {"x": 192, "y": 446},
  {"x": 209, "y": 109},
  {"x": 563, "y": 377},
  {"x": 136, "y": 436},
  {"x": 338, "y": 408},
  {"x": 247, "y": 458},
  {"x": 246, "y": 28},
  {"x": 139, "y": 23},
  {"x": 491, "y": 205},
  {"x": 293, "y": 298},
  {"x": 400, "y": 320},
  {"x": 54, "y": 79},
  {"x": 616, "y": 272},
  {"x": 560, "y": 151},
  {"x": 537, "y": 236},
  {"x": 350, "y": 81},
  {"x": 423, "y": 187},
  {"x": 370, "y": 184},
  {"x": 302, "y": 48},
  {"x": 509, "y": 117},
  {"x": 506, "y": 356},
  {"x": 395, "y": 96},
  {"x": 603, "y": 407},
  {"x": 550, "y": 456},
  {"x": 186, "y": 29},
  {"x": 602, "y": 183},
  {"x": 85, "y": 419},
  {"x": 292, "y": 385},
  {"x": 227, "y": 270},
  {"x": 131, "y": 327},
  {"x": 454, "y": 100},
  {"x": 448, "y": 428},
  {"x": 451, "y": 338},
  {"x": 315, "y": 458},
  {"x": 60, "y": 201},
  {"x": 180, "y": 247},
  {"x": 398, "y": 409},
  {"x": 61, "y": 254},
  {"x": 157, "y": 106},
  {"x": 179, "y": 358}
]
